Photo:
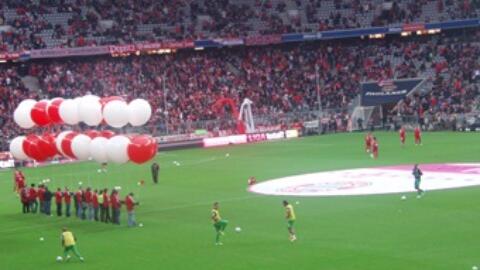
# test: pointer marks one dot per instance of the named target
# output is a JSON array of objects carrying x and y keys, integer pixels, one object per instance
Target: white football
[
  {"x": 238, "y": 229},
  {"x": 404, "y": 197},
  {"x": 59, "y": 258},
  {"x": 140, "y": 225},
  {"x": 41, "y": 239}
]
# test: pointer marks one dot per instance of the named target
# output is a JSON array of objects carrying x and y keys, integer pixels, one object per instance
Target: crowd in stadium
[
  {"x": 280, "y": 79},
  {"x": 58, "y": 23},
  {"x": 85, "y": 203}
]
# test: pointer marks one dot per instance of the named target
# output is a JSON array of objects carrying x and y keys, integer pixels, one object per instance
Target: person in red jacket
[
  {"x": 115, "y": 204},
  {"x": 89, "y": 203},
  {"x": 130, "y": 204},
  {"x": 32, "y": 196},
  {"x": 41, "y": 199},
  {"x": 95, "y": 204},
  {"x": 25, "y": 200},
  {"x": 105, "y": 216},
  {"x": 79, "y": 203},
  {"x": 418, "y": 136},
  {"x": 58, "y": 201},
  {"x": 402, "y": 136},
  {"x": 67, "y": 197}
]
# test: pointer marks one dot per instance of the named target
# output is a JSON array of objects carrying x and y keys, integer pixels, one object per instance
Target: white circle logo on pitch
[{"x": 381, "y": 180}]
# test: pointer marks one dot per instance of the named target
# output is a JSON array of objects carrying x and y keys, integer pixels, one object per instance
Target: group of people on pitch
[
  {"x": 88, "y": 204},
  {"x": 371, "y": 142}
]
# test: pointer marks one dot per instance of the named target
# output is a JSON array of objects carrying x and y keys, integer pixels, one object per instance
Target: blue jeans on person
[
  {"x": 84, "y": 210},
  {"x": 131, "y": 219},
  {"x": 42, "y": 206},
  {"x": 116, "y": 215},
  {"x": 90, "y": 211},
  {"x": 48, "y": 207},
  {"x": 79, "y": 210},
  {"x": 33, "y": 206},
  {"x": 67, "y": 209}
]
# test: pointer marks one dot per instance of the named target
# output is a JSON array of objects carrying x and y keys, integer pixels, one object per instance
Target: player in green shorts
[
  {"x": 290, "y": 216},
  {"x": 69, "y": 245},
  {"x": 218, "y": 223},
  {"x": 417, "y": 173}
]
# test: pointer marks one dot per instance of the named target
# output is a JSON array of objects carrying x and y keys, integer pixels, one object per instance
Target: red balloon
[
  {"x": 107, "y": 134},
  {"x": 93, "y": 134},
  {"x": 52, "y": 111},
  {"x": 39, "y": 113},
  {"x": 46, "y": 144},
  {"x": 142, "y": 148},
  {"x": 67, "y": 144},
  {"x": 31, "y": 148}
]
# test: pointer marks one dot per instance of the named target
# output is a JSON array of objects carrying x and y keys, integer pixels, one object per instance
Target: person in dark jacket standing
[
  {"x": 47, "y": 196},
  {"x": 155, "y": 169},
  {"x": 58, "y": 201}
]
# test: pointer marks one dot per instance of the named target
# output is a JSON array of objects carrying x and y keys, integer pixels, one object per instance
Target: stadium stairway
[{"x": 32, "y": 83}]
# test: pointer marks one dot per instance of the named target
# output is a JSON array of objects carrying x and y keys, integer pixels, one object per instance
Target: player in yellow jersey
[
  {"x": 218, "y": 223},
  {"x": 68, "y": 243},
  {"x": 290, "y": 216}
]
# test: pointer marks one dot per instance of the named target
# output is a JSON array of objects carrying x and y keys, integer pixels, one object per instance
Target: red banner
[
  {"x": 411, "y": 27},
  {"x": 263, "y": 40}
]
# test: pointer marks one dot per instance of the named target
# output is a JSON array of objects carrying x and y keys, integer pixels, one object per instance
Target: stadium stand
[
  {"x": 35, "y": 24},
  {"x": 279, "y": 79}
]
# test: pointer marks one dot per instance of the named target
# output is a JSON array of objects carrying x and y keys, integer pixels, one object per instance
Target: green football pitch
[{"x": 439, "y": 231}]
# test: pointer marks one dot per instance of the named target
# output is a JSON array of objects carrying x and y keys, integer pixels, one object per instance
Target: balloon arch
[{"x": 221, "y": 103}]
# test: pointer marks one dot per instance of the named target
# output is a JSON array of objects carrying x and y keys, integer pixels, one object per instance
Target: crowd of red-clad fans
[
  {"x": 37, "y": 24},
  {"x": 86, "y": 204},
  {"x": 183, "y": 87}
]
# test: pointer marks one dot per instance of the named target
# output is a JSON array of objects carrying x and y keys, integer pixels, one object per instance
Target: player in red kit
[
  {"x": 374, "y": 150},
  {"x": 402, "y": 136},
  {"x": 368, "y": 142},
  {"x": 418, "y": 136}
]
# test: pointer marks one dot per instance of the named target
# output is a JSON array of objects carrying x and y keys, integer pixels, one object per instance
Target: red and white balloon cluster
[
  {"x": 91, "y": 110},
  {"x": 101, "y": 146}
]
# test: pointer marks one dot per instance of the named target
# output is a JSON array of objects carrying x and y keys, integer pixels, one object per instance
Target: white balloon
[
  {"x": 115, "y": 113},
  {"x": 139, "y": 112},
  {"x": 22, "y": 116},
  {"x": 59, "y": 139},
  {"x": 68, "y": 111},
  {"x": 81, "y": 146},
  {"x": 16, "y": 148},
  {"x": 98, "y": 149},
  {"x": 117, "y": 149},
  {"x": 90, "y": 110}
]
